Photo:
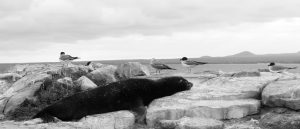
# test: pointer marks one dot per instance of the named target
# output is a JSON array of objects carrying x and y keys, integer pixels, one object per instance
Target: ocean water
[
  {"x": 231, "y": 67},
  {"x": 201, "y": 68}
]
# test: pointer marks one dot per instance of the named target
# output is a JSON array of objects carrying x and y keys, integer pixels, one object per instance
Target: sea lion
[{"x": 130, "y": 94}]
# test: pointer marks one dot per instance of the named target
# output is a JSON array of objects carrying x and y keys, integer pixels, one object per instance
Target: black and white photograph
[{"x": 149, "y": 64}]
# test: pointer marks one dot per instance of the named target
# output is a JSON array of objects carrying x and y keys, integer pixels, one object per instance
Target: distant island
[
  {"x": 249, "y": 57},
  {"x": 243, "y": 54}
]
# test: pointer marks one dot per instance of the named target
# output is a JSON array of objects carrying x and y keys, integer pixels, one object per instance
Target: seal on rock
[{"x": 131, "y": 94}]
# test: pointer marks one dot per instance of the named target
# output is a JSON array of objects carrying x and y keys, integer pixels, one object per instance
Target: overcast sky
[{"x": 38, "y": 30}]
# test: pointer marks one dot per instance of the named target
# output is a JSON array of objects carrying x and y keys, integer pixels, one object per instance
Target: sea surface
[
  {"x": 201, "y": 68},
  {"x": 229, "y": 67}
]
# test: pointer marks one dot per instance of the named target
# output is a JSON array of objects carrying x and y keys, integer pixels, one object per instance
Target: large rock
[
  {"x": 282, "y": 76},
  {"x": 75, "y": 72},
  {"x": 175, "y": 108},
  {"x": 94, "y": 66},
  {"x": 85, "y": 83},
  {"x": 217, "y": 98},
  {"x": 231, "y": 88},
  {"x": 65, "y": 81},
  {"x": 192, "y": 123},
  {"x": 113, "y": 120},
  {"x": 131, "y": 69},
  {"x": 284, "y": 119},
  {"x": 252, "y": 124},
  {"x": 25, "y": 69},
  {"x": 284, "y": 93},
  {"x": 4, "y": 85},
  {"x": 103, "y": 76},
  {"x": 21, "y": 68},
  {"x": 21, "y": 90},
  {"x": 10, "y": 76}
]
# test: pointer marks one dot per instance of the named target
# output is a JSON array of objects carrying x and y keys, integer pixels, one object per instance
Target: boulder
[
  {"x": 282, "y": 93},
  {"x": 85, "y": 83},
  {"x": 54, "y": 69},
  {"x": 103, "y": 76},
  {"x": 75, "y": 72},
  {"x": 192, "y": 123},
  {"x": 19, "y": 68},
  {"x": 65, "y": 81},
  {"x": 282, "y": 76},
  {"x": 4, "y": 85},
  {"x": 231, "y": 88},
  {"x": 280, "y": 120},
  {"x": 94, "y": 66},
  {"x": 21, "y": 90},
  {"x": 12, "y": 77},
  {"x": 131, "y": 69},
  {"x": 25, "y": 69},
  {"x": 97, "y": 65},
  {"x": 175, "y": 108},
  {"x": 243, "y": 126},
  {"x": 113, "y": 120},
  {"x": 217, "y": 98},
  {"x": 249, "y": 122}
]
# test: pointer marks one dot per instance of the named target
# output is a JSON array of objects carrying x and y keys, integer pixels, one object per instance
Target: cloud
[
  {"x": 8, "y": 6},
  {"x": 111, "y": 25},
  {"x": 72, "y": 20},
  {"x": 279, "y": 36}
]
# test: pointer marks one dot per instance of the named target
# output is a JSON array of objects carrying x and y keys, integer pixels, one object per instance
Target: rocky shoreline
[{"x": 243, "y": 100}]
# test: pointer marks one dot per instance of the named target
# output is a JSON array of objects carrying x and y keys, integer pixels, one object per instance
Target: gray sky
[{"x": 38, "y": 30}]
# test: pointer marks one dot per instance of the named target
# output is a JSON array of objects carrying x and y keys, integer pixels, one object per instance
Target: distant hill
[
  {"x": 248, "y": 57},
  {"x": 243, "y": 54}
]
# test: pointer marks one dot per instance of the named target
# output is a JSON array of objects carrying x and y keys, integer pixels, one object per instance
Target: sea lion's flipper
[
  {"x": 140, "y": 116},
  {"x": 139, "y": 110}
]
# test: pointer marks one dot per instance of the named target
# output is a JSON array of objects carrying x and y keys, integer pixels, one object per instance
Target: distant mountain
[
  {"x": 248, "y": 57},
  {"x": 244, "y": 53}
]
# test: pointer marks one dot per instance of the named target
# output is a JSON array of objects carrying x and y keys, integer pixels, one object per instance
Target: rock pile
[
  {"x": 214, "y": 99},
  {"x": 29, "y": 80}
]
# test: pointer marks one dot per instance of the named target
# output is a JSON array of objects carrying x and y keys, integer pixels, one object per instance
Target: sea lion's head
[
  {"x": 175, "y": 84},
  {"x": 183, "y": 83}
]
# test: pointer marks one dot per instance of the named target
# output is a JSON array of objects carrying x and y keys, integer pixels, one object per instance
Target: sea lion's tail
[
  {"x": 36, "y": 119},
  {"x": 38, "y": 115}
]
